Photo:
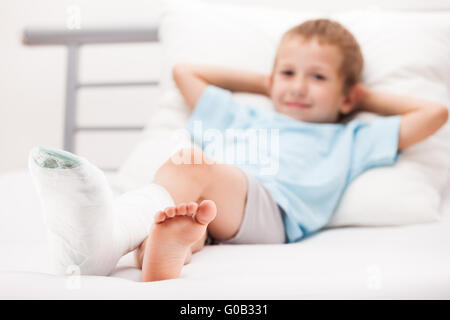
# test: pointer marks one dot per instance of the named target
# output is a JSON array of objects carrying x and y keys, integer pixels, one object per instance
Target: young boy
[{"x": 315, "y": 80}]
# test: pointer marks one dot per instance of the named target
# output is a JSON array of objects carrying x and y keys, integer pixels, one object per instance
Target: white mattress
[{"x": 407, "y": 262}]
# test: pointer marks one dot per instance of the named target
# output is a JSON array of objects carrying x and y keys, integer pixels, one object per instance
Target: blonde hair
[{"x": 333, "y": 33}]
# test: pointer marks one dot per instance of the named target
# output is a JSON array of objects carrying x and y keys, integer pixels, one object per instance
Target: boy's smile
[{"x": 305, "y": 83}]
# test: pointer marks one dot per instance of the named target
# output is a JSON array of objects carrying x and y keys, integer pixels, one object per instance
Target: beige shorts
[{"x": 263, "y": 218}]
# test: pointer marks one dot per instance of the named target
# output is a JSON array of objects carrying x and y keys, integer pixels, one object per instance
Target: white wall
[{"x": 32, "y": 79}]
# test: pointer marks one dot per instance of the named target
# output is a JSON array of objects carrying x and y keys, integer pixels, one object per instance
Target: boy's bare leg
[{"x": 223, "y": 184}]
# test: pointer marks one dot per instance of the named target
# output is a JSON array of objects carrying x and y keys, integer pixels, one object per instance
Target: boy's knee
[
  {"x": 191, "y": 160},
  {"x": 190, "y": 157}
]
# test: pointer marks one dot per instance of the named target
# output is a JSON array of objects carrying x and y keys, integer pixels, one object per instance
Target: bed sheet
[{"x": 405, "y": 262}]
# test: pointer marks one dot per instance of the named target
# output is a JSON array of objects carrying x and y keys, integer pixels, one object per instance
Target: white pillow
[{"x": 405, "y": 53}]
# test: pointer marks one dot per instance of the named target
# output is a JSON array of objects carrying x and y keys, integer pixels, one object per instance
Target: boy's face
[{"x": 305, "y": 83}]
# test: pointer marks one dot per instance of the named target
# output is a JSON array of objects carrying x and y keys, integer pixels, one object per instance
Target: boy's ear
[
  {"x": 351, "y": 99},
  {"x": 269, "y": 85}
]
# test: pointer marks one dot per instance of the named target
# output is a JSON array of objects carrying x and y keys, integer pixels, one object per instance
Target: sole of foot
[{"x": 171, "y": 237}]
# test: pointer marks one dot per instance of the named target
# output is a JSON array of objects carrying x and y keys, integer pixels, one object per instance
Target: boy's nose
[{"x": 299, "y": 87}]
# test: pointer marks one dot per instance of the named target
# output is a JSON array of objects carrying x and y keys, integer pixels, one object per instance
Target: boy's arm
[
  {"x": 192, "y": 80},
  {"x": 420, "y": 118}
]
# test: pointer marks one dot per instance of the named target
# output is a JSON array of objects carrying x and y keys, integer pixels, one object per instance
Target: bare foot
[
  {"x": 182, "y": 209},
  {"x": 176, "y": 229}
]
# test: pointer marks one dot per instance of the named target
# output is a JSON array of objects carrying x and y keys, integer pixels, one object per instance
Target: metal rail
[{"x": 73, "y": 40}]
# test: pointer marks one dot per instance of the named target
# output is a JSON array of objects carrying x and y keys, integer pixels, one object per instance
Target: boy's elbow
[
  {"x": 442, "y": 114},
  {"x": 445, "y": 113},
  {"x": 176, "y": 70},
  {"x": 439, "y": 118},
  {"x": 179, "y": 68}
]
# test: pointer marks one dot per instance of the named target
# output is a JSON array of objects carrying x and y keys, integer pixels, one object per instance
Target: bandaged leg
[{"x": 88, "y": 229}]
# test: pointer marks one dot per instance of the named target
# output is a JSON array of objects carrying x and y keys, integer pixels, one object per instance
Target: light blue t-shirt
[{"x": 305, "y": 166}]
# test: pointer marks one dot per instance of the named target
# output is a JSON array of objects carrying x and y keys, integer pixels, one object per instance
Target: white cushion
[{"x": 405, "y": 53}]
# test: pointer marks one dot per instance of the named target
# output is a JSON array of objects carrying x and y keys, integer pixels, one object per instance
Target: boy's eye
[
  {"x": 287, "y": 73},
  {"x": 319, "y": 76}
]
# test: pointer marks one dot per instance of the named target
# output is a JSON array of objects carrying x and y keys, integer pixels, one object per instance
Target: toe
[
  {"x": 181, "y": 209},
  {"x": 191, "y": 208},
  {"x": 206, "y": 212},
  {"x": 160, "y": 217},
  {"x": 170, "y": 212}
]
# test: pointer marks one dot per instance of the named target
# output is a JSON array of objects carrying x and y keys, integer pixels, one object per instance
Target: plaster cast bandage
[{"x": 87, "y": 227}]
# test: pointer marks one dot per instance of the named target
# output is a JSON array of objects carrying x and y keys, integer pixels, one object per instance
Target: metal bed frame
[{"x": 73, "y": 40}]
